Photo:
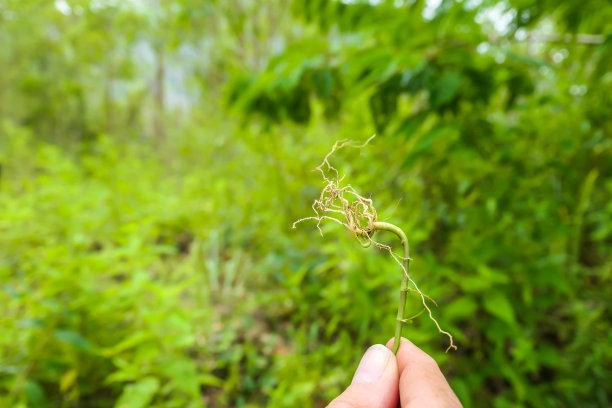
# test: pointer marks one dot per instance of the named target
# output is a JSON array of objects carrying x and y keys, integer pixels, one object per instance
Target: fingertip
[
  {"x": 421, "y": 379},
  {"x": 375, "y": 384},
  {"x": 391, "y": 342},
  {"x": 405, "y": 347},
  {"x": 373, "y": 364},
  {"x": 409, "y": 353}
]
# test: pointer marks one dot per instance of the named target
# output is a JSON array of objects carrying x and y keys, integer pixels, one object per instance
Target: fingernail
[{"x": 372, "y": 364}]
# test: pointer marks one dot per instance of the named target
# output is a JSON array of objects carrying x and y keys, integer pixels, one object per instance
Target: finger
[
  {"x": 421, "y": 383},
  {"x": 374, "y": 384}
]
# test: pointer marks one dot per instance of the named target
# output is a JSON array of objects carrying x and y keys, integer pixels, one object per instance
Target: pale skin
[{"x": 411, "y": 378}]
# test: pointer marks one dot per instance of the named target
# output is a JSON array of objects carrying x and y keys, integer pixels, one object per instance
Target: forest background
[{"x": 154, "y": 154}]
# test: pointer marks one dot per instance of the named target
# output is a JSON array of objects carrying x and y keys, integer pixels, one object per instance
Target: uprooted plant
[{"x": 342, "y": 204}]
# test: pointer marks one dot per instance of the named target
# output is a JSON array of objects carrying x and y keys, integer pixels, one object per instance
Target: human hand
[{"x": 412, "y": 375}]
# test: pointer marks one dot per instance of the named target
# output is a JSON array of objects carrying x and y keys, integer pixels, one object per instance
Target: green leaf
[
  {"x": 35, "y": 394},
  {"x": 445, "y": 88},
  {"x": 184, "y": 375},
  {"x": 499, "y": 306},
  {"x": 139, "y": 394},
  {"x": 460, "y": 308},
  {"x": 68, "y": 379},
  {"x": 127, "y": 343},
  {"x": 209, "y": 379},
  {"x": 75, "y": 339}
]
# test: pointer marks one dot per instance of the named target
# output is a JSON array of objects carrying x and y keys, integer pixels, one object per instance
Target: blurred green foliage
[{"x": 153, "y": 156}]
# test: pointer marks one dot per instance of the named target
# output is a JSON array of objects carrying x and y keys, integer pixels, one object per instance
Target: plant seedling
[{"x": 343, "y": 205}]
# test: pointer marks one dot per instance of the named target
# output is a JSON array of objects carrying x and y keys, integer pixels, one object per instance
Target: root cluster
[{"x": 356, "y": 213}]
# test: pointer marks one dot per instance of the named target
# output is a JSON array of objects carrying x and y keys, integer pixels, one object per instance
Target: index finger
[{"x": 422, "y": 384}]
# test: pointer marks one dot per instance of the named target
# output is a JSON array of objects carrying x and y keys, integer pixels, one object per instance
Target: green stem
[{"x": 404, "y": 287}]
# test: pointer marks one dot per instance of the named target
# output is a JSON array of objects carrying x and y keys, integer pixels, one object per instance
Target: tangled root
[
  {"x": 343, "y": 205},
  {"x": 358, "y": 212}
]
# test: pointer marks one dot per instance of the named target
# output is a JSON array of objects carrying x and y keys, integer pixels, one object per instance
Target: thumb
[{"x": 375, "y": 384}]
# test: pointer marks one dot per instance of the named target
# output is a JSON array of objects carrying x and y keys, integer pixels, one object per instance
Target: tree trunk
[
  {"x": 158, "y": 109},
  {"x": 108, "y": 98}
]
